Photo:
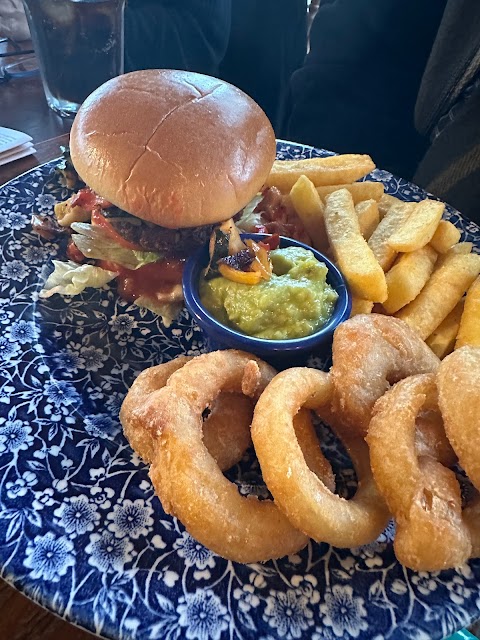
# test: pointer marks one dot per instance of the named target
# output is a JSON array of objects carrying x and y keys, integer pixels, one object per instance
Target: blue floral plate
[{"x": 81, "y": 531}]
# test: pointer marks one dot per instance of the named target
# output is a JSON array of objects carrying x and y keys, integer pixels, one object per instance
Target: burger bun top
[{"x": 175, "y": 148}]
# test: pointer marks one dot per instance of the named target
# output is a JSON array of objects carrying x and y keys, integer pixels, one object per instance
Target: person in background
[
  {"x": 268, "y": 42},
  {"x": 254, "y": 45},
  {"x": 357, "y": 88},
  {"x": 398, "y": 79},
  {"x": 447, "y": 111},
  {"x": 167, "y": 34}
]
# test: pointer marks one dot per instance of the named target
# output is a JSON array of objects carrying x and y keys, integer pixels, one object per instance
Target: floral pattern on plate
[{"x": 81, "y": 531}]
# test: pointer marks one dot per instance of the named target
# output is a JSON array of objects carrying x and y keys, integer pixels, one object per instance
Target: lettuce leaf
[
  {"x": 95, "y": 243},
  {"x": 168, "y": 311},
  {"x": 248, "y": 220},
  {"x": 70, "y": 278}
]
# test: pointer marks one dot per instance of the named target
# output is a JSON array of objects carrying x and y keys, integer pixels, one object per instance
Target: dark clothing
[
  {"x": 176, "y": 34},
  {"x": 400, "y": 80},
  {"x": 357, "y": 90},
  {"x": 268, "y": 42},
  {"x": 453, "y": 63},
  {"x": 448, "y": 110},
  {"x": 254, "y": 44},
  {"x": 450, "y": 168}
]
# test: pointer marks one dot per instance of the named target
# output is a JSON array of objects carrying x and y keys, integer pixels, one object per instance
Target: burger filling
[
  {"x": 146, "y": 260},
  {"x": 150, "y": 237},
  {"x": 107, "y": 243},
  {"x": 272, "y": 212}
]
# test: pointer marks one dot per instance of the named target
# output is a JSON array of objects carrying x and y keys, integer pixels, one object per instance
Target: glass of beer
[{"x": 79, "y": 46}]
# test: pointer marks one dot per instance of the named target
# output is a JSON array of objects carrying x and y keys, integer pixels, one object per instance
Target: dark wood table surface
[
  {"x": 23, "y": 106},
  {"x": 46, "y": 150}
]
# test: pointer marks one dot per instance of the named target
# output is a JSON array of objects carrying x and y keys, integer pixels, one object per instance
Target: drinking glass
[{"x": 79, "y": 45}]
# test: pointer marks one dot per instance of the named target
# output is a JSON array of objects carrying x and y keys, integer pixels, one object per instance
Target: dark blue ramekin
[{"x": 280, "y": 353}]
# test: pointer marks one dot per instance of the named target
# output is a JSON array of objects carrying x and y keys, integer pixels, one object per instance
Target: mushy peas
[{"x": 294, "y": 303}]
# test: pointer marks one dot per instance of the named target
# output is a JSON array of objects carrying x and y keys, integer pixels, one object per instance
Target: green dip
[{"x": 294, "y": 303}]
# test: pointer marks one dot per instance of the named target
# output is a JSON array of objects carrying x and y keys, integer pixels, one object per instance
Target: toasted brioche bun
[{"x": 175, "y": 148}]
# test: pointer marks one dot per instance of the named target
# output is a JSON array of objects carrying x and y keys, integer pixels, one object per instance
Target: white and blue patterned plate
[{"x": 81, "y": 531}]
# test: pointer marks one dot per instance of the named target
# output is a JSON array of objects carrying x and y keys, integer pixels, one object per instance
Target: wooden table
[
  {"x": 21, "y": 619},
  {"x": 23, "y": 107},
  {"x": 46, "y": 150}
]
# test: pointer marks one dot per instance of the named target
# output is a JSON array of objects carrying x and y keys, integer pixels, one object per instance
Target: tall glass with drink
[{"x": 79, "y": 45}]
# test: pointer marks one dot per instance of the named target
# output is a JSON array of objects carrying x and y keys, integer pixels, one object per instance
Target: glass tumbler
[{"x": 79, "y": 46}]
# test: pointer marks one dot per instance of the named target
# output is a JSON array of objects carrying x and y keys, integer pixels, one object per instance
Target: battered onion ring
[
  {"x": 136, "y": 430},
  {"x": 430, "y": 438},
  {"x": 458, "y": 382},
  {"x": 186, "y": 477},
  {"x": 422, "y": 494},
  {"x": 313, "y": 454},
  {"x": 226, "y": 431},
  {"x": 301, "y": 495},
  {"x": 370, "y": 353}
]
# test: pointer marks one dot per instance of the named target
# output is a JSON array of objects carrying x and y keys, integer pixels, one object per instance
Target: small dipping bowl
[{"x": 280, "y": 353}]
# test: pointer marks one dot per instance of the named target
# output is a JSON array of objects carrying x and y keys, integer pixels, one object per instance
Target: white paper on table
[
  {"x": 10, "y": 138},
  {"x": 15, "y": 154},
  {"x": 22, "y": 147}
]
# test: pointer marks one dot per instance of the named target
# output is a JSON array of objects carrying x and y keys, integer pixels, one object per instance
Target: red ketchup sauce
[{"x": 152, "y": 280}]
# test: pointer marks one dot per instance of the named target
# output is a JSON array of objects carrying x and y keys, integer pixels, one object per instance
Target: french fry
[
  {"x": 393, "y": 220},
  {"x": 419, "y": 228},
  {"x": 442, "y": 340},
  {"x": 355, "y": 259},
  {"x": 407, "y": 277},
  {"x": 360, "y": 306},
  {"x": 445, "y": 236},
  {"x": 442, "y": 293},
  {"x": 459, "y": 249},
  {"x": 385, "y": 202},
  {"x": 309, "y": 207},
  {"x": 368, "y": 217},
  {"x": 469, "y": 331},
  {"x": 360, "y": 191},
  {"x": 321, "y": 171}
]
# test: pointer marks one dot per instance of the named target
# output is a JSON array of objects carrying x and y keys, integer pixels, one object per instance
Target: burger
[{"x": 162, "y": 156}]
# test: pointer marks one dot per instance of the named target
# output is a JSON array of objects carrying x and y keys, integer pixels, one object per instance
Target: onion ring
[
  {"x": 301, "y": 495},
  {"x": 188, "y": 480},
  {"x": 422, "y": 494},
  {"x": 313, "y": 454},
  {"x": 371, "y": 352},
  {"x": 430, "y": 437},
  {"x": 226, "y": 431},
  {"x": 135, "y": 429},
  {"x": 458, "y": 384}
]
